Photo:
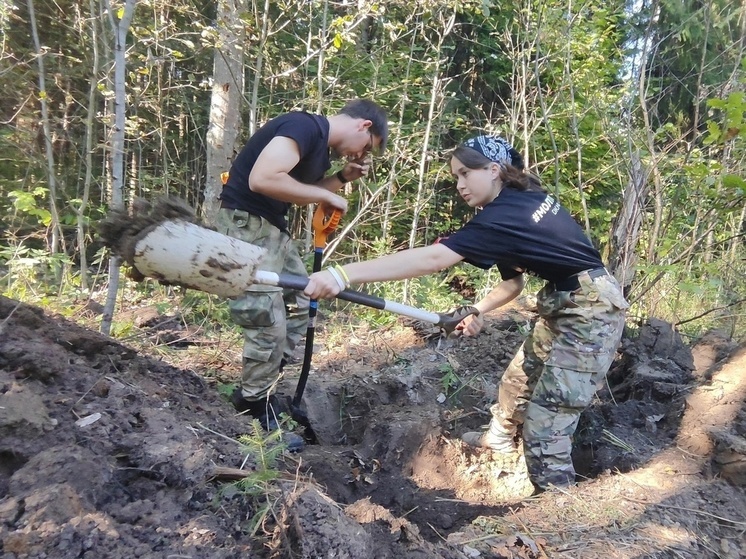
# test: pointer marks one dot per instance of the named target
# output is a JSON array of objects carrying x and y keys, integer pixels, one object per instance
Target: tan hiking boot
[{"x": 496, "y": 439}]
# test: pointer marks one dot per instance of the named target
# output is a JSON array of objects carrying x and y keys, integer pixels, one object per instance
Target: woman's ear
[{"x": 495, "y": 170}]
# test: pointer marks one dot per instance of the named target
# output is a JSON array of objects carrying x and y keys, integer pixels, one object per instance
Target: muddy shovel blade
[
  {"x": 221, "y": 265},
  {"x": 301, "y": 418}
]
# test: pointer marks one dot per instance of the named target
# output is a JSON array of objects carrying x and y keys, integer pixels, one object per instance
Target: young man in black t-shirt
[{"x": 285, "y": 162}]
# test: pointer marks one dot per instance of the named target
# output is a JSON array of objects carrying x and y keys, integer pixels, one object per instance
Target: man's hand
[
  {"x": 334, "y": 202},
  {"x": 322, "y": 285},
  {"x": 357, "y": 168}
]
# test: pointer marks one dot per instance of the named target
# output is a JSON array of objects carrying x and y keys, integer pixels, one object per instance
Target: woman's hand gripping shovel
[{"x": 323, "y": 225}]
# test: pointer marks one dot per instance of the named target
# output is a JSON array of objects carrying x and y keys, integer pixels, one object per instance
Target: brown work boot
[{"x": 496, "y": 439}]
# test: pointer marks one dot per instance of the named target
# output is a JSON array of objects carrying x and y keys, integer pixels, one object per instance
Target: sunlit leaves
[
  {"x": 731, "y": 123},
  {"x": 29, "y": 203}
]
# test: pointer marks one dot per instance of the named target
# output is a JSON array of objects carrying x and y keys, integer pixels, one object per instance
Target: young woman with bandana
[{"x": 520, "y": 229}]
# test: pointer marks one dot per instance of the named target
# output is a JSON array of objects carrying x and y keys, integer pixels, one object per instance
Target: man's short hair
[{"x": 369, "y": 110}]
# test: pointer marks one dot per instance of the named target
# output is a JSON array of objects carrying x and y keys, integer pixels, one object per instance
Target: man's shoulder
[
  {"x": 298, "y": 116},
  {"x": 299, "y": 124}
]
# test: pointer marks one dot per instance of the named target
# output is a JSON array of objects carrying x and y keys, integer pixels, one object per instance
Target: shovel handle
[
  {"x": 299, "y": 283},
  {"x": 324, "y": 222}
]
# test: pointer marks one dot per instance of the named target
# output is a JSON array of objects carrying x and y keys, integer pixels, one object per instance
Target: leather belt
[{"x": 573, "y": 282}]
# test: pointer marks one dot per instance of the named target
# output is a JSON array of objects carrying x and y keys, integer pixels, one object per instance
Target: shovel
[
  {"x": 180, "y": 252},
  {"x": 323, "y": 225}
]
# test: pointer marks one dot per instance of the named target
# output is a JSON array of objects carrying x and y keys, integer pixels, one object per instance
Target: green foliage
[
  {"x": 732, "y": 110},
  {"x": 120, "y": 329},
  {"x": 28, "y": 203},
  {"x": 226, "y": 389},
  {"x": 264, "y": 449},
  {"x": 449, "y": 380},
  {"x": 699, "y": 49},
  {"x": 28, "y": 273},
  {"x": 202, "y": 308},
  {"x": 260, "y": 483}
]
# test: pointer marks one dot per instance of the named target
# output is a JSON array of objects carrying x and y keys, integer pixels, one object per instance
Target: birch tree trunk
[
  {"x": 225, "y": 105},
  {"x": 575, "y": 131},
  {"x": 120, "y": 24}
]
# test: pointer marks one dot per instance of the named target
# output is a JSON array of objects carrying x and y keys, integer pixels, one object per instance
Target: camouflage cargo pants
[
  {"x": 273, "y": 319},
  {"x": 557, "y": 370}
]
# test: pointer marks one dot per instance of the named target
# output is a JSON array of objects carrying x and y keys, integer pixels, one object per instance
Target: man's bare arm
[{"x": 270, "y": 177}]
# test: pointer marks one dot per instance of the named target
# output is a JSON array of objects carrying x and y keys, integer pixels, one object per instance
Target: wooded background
[{"x": 633, "y": 114}]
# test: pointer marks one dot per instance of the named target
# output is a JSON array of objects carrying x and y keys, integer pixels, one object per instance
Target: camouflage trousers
[
  {"x": 273, "y": 319},
  {"x": 557, "y": 370}
]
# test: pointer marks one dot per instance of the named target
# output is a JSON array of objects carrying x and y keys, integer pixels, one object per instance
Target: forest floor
[{"x": 111, "y": 450}]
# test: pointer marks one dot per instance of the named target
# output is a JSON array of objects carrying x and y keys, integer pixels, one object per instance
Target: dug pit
[{"x": 389, "y": 428}]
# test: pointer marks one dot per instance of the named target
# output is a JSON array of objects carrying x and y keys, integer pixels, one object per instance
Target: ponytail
[{"x": 516, "y": 179}]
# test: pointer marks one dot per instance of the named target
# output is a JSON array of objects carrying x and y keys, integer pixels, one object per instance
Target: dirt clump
[{"x": 121, "y": 231}]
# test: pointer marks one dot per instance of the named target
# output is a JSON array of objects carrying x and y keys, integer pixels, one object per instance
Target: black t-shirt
[
  {"x": 528, "y": 231},
  {"x": 310, "y": 132}
]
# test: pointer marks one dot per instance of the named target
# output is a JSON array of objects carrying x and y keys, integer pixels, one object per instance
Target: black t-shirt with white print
[
  {"x": 525, "y": 231},
  {"x": 310, "y": 132}
]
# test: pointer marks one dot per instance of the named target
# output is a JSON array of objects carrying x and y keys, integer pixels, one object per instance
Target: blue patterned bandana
[{"x": 493, "y": 148}]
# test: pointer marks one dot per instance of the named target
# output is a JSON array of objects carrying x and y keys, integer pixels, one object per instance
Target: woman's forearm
[
  {"x": 406, "y": 264},
  {"x": 502, "y": 294}
]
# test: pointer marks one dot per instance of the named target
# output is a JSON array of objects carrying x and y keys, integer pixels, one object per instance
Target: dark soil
[{"x": 106, "y": 451}]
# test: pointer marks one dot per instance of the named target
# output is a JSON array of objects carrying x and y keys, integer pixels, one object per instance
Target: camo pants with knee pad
[
  {"x": 273, "y": 319},
  {"x": 557, "y": 370}
]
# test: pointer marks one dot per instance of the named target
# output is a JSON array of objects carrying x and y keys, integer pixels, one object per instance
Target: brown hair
[
  {"x": 369, "y": 110},
  {"x": 512, "y": 176}
]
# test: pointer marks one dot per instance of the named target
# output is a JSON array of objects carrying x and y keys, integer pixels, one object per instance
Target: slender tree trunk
[
  {"x": 657, "y": 182},
  {"x": 254, "y": 105},
  {"x": 573, "y": 108},
  {"x": 385, "y": 228},
  {"x": 120, "y": 23},
  {"x": 434, "y": 95},
  {"x": 700, "y": 94},
  {"x": 107, "y": 121},
  {"x": 56, "y": 240},
  {"x": 225, "y": 105},
  {"x": 89, "y": 132},
  {"x": 625, "y": 234},
  {"x": 544, "y": 110},
  {"x": 323, "y": 30},
  {"x": 524, "y": 81}
]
